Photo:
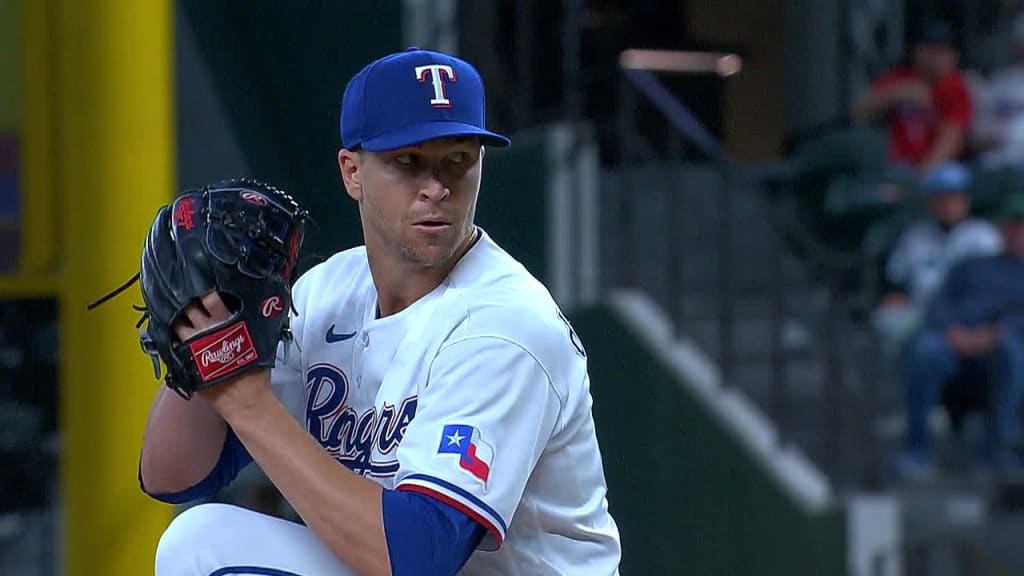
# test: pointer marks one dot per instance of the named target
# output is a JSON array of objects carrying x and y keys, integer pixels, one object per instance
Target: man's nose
[{"x": 434, "y": 189}]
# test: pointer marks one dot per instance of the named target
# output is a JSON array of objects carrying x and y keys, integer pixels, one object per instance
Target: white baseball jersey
[
  {"x": 477, "y": 395},
  {"x": 925, "y": 253}
]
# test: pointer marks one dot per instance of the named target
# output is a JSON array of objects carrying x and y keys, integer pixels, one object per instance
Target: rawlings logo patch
[
  {"x": 254, "y": 198},
  {"x": 271, "y": 307},
  {"x": 221, "y": 352}
]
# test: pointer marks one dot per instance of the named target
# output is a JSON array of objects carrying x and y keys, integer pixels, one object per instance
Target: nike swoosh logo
[{"x": 333, "y": 336}]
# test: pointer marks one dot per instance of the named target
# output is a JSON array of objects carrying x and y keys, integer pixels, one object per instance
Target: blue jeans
[{"x": 930, "y": 363}]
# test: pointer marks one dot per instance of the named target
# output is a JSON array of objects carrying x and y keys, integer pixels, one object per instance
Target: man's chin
[{"x": 430, "y": 255}]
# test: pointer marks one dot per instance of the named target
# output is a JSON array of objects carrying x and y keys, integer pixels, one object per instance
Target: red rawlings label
[{"x": 223, "y": 351}]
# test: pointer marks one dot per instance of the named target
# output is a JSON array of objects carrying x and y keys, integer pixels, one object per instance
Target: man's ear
[{"x": 349, "y": 164}]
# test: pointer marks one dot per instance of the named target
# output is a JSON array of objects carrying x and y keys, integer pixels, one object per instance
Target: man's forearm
[
  {"x": 182, "y": 442},
  {"x": 948, "y": 145},
  {"x": 342, "y": 508}
]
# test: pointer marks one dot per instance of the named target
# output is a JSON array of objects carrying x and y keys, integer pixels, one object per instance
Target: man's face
[
  {"x": 949, "y": 207},
  {"x": 934, "y": 61},
  {"x": 1013, "y": 236},
  {"x": 417, "y": 203}
]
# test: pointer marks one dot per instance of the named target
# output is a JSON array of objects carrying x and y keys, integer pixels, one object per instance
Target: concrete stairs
[{"x": 956, "y": 525}]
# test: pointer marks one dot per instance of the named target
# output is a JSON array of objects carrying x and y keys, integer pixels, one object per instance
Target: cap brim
[{"x": 424, "y": 132}]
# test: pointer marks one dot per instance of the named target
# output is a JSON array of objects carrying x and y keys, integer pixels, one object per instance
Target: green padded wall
[
  {"x": 512, "y": 206},
  {"x": 687, "y": 497},
  {"x": 281, "y": 68}
]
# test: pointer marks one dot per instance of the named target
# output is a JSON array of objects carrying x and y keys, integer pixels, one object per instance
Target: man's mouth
[{"x": 431, "y": 224}]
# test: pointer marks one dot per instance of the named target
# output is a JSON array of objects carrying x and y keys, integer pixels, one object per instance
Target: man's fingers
[
  {"x": 203, "y": 314},
  {"x": 215, "y": 307},
  {"x": 209, "y": 307},
  {"x": 183, "y": 330},
  {"x": 197, "y": 317}
]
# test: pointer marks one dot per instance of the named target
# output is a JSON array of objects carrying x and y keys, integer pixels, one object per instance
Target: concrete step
[
  {"x": 954, "y": 525},
  {"x": 802, "y": 381},
  {"x": 752, "y": 338}
]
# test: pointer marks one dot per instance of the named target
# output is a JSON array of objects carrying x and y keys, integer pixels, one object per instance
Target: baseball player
[{"x": 431, "y": 413}]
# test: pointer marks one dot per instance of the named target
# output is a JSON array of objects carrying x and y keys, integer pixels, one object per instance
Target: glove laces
[{"x": 113, "y": 293}]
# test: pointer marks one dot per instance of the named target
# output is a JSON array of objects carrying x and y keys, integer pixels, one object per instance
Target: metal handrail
[
  {"x": 689, "y": 129},
  {"x": 637, "y": 67},
  {"x": 684, "y": 121}
]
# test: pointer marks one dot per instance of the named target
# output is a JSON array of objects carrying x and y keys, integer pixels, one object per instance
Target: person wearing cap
[
  {"x": 974, "y": 323},
  {"x": 434, "y": 413},
  {"x": 922, "y": 256},
  {"x": 947, "y": 234},
  {"x": 926, "y": 105}
]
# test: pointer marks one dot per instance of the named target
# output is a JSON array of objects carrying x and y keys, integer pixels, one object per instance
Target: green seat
[
  {"x": 844, "y": 185},
  {"x": 989, "y": 185}
]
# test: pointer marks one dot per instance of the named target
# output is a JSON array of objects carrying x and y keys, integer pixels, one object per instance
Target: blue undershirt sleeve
[
  {"x": 426, "y": 536},
  {"x": 233, "y": 458}
]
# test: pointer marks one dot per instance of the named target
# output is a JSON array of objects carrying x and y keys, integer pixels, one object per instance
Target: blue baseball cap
[
  {"x": 944, "y": 178},
  {"x": 411, "y": 97}
]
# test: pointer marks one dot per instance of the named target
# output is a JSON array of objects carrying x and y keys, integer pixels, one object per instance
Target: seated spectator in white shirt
[{"x": 926, "y": 251}]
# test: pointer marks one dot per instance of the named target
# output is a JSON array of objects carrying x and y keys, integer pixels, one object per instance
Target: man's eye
[
  {"x": 406, "y": 159},
  {"x": 458, "y": 157}
]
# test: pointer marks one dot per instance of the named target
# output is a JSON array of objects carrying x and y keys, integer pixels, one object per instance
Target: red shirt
[{"x": 912, "y": 128}]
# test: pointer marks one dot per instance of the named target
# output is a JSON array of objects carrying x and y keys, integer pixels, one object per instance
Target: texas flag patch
[{"x": 475, "y": 455}]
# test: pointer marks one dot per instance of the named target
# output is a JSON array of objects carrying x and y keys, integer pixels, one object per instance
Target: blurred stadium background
[{"x": 671, "y": 180}]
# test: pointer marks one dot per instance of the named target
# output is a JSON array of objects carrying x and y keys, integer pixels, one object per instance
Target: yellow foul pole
[
  {"x": 39, "y": 209},
  {"x": 115, "y": 167}
]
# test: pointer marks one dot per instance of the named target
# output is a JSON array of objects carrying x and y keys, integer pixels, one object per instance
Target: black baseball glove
[{"x": 241, "y": 239}]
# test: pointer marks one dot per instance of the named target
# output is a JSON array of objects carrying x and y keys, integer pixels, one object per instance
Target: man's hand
[
  {"x": 235, "y": 394},
  {"x": 204, "y": 314},
  {"x": 877, "y": 102},
  {"x": 894, "y": 300},
  {"x": 343, "y": 508},
  {"x": 973, "y": 342},
  {"x": 910, "y": 91}
]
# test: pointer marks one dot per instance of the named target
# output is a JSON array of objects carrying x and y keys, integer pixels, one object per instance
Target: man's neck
[
  {"x": 399, "y": 288},
  {"x": 400, "y": 284}
]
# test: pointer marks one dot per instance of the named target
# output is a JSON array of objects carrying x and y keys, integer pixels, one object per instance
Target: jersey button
[{"x": 365, "y": 339}]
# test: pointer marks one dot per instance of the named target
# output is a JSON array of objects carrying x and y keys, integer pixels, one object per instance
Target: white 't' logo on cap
[{"x": 437, "y": 72}]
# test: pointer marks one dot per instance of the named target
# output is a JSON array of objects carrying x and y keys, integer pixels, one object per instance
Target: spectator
[
  {"x": 926, "y": 105},
  {"x": 926, "y": 250},
  {"x": 976, "y": 319},
  {"x": 998, "y": 133}
]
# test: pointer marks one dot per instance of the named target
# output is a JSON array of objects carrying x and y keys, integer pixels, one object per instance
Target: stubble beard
[{"x": 438, "y": 253}]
